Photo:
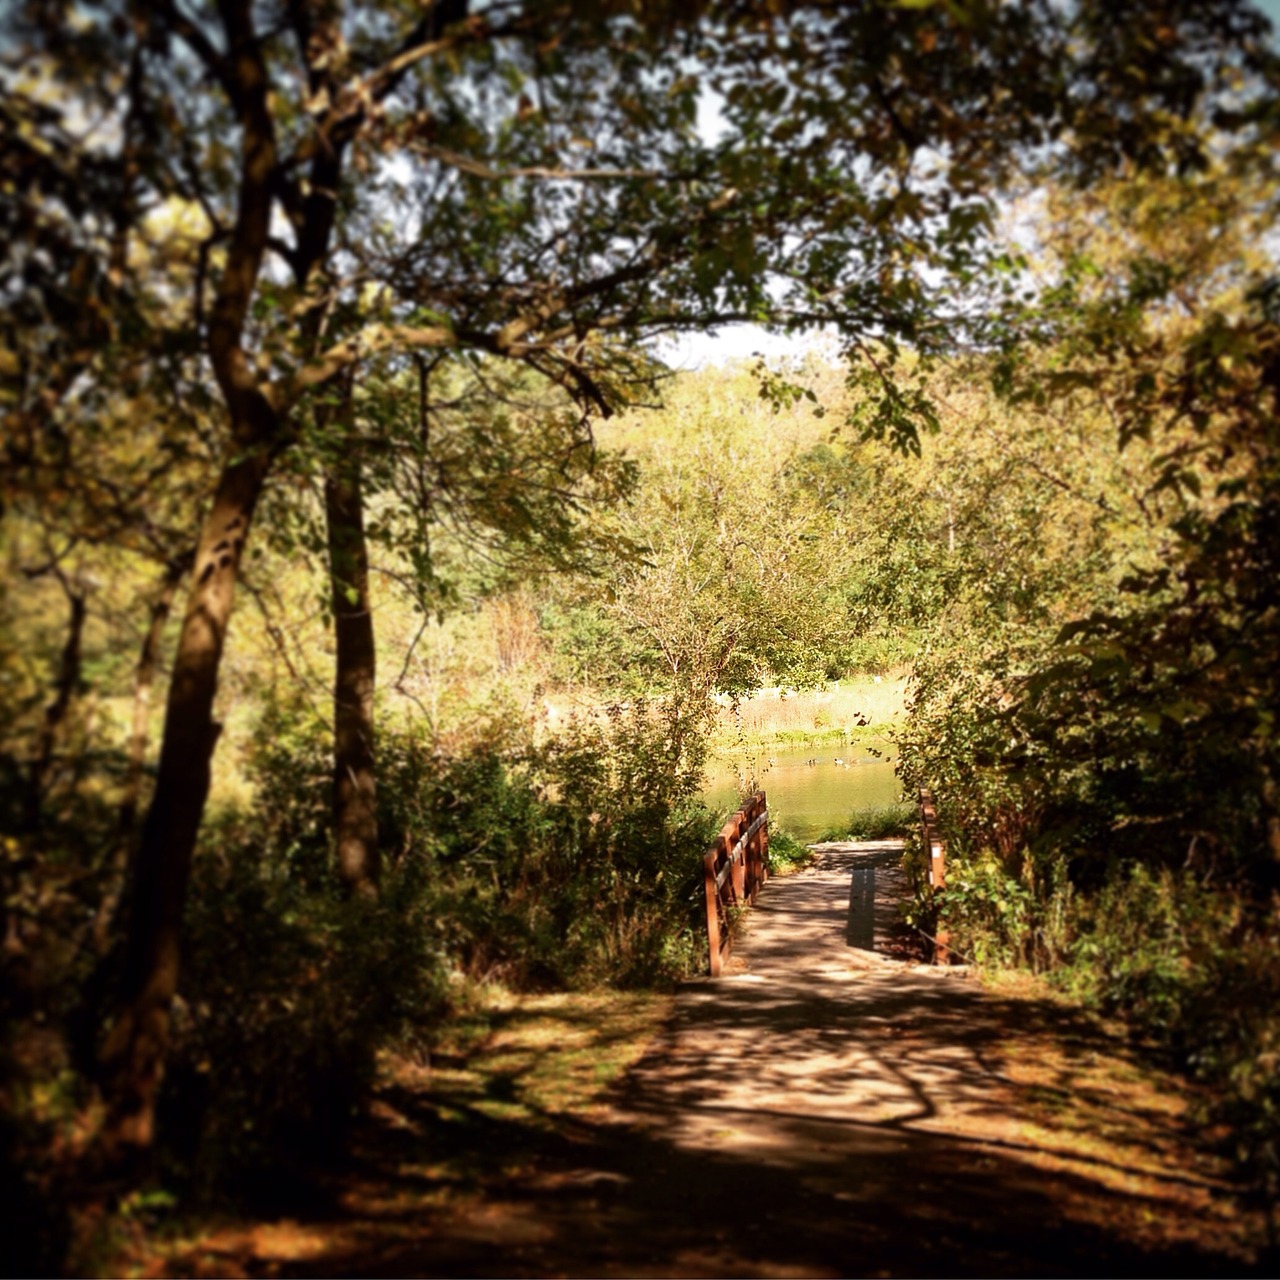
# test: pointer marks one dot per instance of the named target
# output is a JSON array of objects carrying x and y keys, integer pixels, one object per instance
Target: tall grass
[
  {"x": 880, "y": 823},
  {"x": 846, "y": 709}
]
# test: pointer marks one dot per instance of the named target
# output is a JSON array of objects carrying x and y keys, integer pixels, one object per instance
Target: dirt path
[{"x": 826, "y": 1109}]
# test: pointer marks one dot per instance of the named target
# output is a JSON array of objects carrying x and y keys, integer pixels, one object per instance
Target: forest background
[{"x": 348, "y": 315}]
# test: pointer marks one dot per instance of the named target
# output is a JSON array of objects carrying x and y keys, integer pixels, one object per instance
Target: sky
[{"x": 730, "y": 343}]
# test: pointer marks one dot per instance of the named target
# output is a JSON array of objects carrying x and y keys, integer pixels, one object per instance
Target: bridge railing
[
  {"x": 734, "y": 868},
  {"x": 935, "y": 852}
]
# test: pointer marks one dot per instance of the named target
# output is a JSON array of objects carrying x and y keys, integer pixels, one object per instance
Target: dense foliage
[
  {"x": 1096, "y": 714},
  {"x": 349, "y": 310}
]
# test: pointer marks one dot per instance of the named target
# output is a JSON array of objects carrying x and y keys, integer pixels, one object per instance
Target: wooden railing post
[
  {"x": 739, "y": 863},
  {"x": 764, "y": 850},
  {"x": 713, "y": 904},
  {"x": 935, "y": 851},
  {"x": 733, "y": 871}
]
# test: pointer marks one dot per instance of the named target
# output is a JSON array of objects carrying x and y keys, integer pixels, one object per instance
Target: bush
[
  {"x": 288, "y": 994},
  {"x": 989, "y": 915},
  {"x": 1197, "y": 969},
  {"x": 786, "y": 853},
  {"x": 568, "y": 863},
  {"x": 1133, "y": 950},
  {"x": 1234, "y": 1043},
  {"x": 1192, "y": 967}
]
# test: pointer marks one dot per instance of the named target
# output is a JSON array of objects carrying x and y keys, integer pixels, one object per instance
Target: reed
[{"x": 845, "y": 710}]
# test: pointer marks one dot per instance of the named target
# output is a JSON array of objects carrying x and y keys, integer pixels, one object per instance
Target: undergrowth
[
  {"x": 564, "y": 863},
  {"x": 1192, "y": 966},
  {"x": 786, "y": 852}
]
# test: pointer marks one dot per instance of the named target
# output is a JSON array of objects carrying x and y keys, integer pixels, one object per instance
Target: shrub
[
  {"x": 1192, "y": 967},
  {"x": 786, "y": 853},
  {"x": 288, "y": 994},
  {"x": 571, "y": 862},
  {"x": 988, "y": 914},
  {"x": 568, "y": 862},
  {"x": 1234, "y": 1043},
  {"x": 1197, "y": 968},
  {"x": 997, "y": 919}
]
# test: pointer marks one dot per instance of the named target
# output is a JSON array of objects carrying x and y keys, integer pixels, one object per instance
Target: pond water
[{"x": 809, "y": 799}]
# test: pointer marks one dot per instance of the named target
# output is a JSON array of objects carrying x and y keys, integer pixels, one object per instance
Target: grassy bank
[
  {"x": 843, "y": 711},
  {"x": 880, "y": 822}
]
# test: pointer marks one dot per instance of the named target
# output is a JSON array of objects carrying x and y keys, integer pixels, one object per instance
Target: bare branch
[
  {"x": 368, "y": 341},
  {"x": 478, "y": 169}
]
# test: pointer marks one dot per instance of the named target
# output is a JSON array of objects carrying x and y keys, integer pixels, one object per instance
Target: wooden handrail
[
  {"x": 935, "y": 850},
  {"x": 934, "y": 846},
  {"x": 734, "y": 868}
]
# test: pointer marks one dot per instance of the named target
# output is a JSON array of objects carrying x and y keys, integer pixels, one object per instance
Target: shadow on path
[{"x": 819, "y": 1114}]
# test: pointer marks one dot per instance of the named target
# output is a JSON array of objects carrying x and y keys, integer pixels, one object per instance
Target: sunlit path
[
  {"x": 872, "y": 1096},
  {"x": 825, "y": 1109}
]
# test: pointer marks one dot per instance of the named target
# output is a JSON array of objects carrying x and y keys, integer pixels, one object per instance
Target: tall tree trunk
[
  {"x": 144, "y": 677},
  {"x": 134, "y": 1054},
  {"x": 143, "y": 682},
  {"x": 355, "y": 817},
  {"x": 133, "y": 1057}
]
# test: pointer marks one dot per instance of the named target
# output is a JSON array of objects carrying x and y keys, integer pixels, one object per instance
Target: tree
[
  {"x": 495, "y": 466},
  {"x": 859, "y": 141},
  {"x": 1103, "y": 662},
  {"x": 1175, "y": 673}
]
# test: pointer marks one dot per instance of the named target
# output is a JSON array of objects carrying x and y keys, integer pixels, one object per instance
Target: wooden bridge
[{"x": 737, "y": 866}]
